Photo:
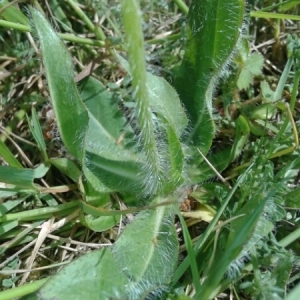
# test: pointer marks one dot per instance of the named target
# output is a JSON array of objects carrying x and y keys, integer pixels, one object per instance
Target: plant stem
[
  {"x": 136, "y": 56},
  {"x": 292, "y": 237},
  {"x": 64, "y": 36},
  {"x": 14, "y": 25},
  {"x": 182, "y": 6},
  {"x": 162, "y": 40},
  {"x": 84, "y": 41},
  {"x": 39, "y": 212},
  {"x": 295, "y": 90},
  {"x": 270, "y": 15},
  {"x": 95, "y": 29}
]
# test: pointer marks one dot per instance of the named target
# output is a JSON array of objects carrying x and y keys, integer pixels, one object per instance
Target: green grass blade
[
  {"x": 10, "y": 13},
  {"x": 241, "y": 230},
  {"x": 22, "y": 290},
  {"x": 8, "y": 156},
  {"x": 7, "y": 226},
  {"x": 199, "y": 244},
  {"x": 10, "y": 204},
  {"x": 39, "y": 212},
  {"x": 190, "y": 252},
  {"x": 19, "y": 237},
  {"x": 36, "y": 131},
  {"x": 22, "y": 178},
  {"x": 270, "y": 15}
]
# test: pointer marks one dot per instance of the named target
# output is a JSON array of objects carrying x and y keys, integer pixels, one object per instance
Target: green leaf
[
  {"x": 114, "y": 174},
  {"x": 165, "y": 103},
  {"x": 288, "y": 5},
  {"x": 91, "y": 276},
  {"x": 241, "y": 137},
  {"x": 163, "y": 99},
  {"x": 263, "y": 112},
  {"x": 132, "y": 21},
  {"x": 292, "y": 199},
  {"x": 22, "y": 178},
  {"x": 251, "y": 67},
  {"x": 102, "y": 223},
  {"x": 212, "y": 32},
  {"x": 102, "y": 105},
  {"x": 241, "y": 230},
  {"x": 147, "y": 251},
  {"x": 70, "y": 113},
  {"x": 133, "y": 270},
  {"x": 294, "y": 294},
  {"x": 91, "y": 195},
  {"x": 9, "y": 205},
  {"x": 36, "y": 131},
  {"x": 67, "y": 167},
  {"x": 282, "y": 271},
  {"x": 8, "y": 156},
  {"x": 267, "y": 92},
  {"x": 108, "y": 165},
  {"x": 220, "y": 160},
  {"x": 40, "y": 171},
  {"x": 10, "y": 13}
]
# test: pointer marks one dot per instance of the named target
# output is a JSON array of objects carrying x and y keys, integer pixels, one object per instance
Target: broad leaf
[
  {"x": 108, "y": 165},
  {"x": 166, "y": 104},
  {"x": 212, "y": 32},
  {"x": 102, "y": 223},
  {"x": 70, "y": 113},
  {"x": 147, "y": 251},
  {"x": 101, "y": 104},
  {"x": 252, "y": 66},
  {"x": 92, "y": 276}
]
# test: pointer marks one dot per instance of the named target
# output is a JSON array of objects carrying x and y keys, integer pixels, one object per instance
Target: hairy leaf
[
  {"x": 147, "y": 251},
  {"x": 70, "y": 113},
  {"x": 212, "y": 33},
  {"x": 92, "y": 276}
]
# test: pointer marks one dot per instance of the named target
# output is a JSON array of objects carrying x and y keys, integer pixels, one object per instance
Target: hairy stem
[{"x": 136, "y": 56}]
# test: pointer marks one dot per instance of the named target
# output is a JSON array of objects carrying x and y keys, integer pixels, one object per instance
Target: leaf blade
[{"x": 70, "y": 113}]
